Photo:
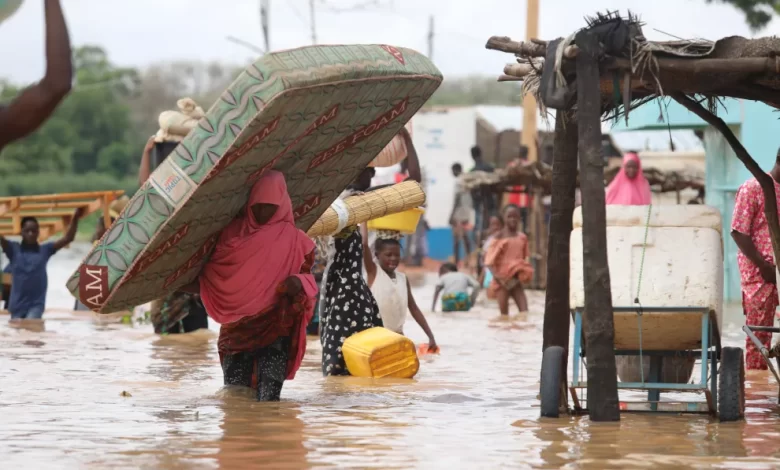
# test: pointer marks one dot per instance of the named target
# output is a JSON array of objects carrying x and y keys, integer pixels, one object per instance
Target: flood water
[{"x": 80, "y": 392}]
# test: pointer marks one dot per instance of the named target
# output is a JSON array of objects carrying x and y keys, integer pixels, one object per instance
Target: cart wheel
[
  {"x": 550, "y": 393},
  {"x": 731, "y": 385}
]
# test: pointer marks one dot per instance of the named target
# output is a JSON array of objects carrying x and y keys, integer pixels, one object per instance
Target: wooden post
[
  {"x": 564, "y": 181},
  {"x": 599, "y": 330},
  {"x": 528, "y": 134}
]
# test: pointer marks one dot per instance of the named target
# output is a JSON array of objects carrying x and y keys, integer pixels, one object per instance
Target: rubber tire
[
  {"x": 550, "y": 388},
  {"x": 731, "y": 385}
]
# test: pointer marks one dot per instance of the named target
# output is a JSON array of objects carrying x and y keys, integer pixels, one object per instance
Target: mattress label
[
  {"x": 397, "y": 55},
  {"x": 307, "y": 206},
  {"x": 93, "y": 285},
  {"x": 362, "y": 134},
  {"x": 171, "y": 182}
]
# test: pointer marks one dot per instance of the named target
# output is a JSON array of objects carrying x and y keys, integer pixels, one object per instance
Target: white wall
[{"x": 442, "y": 138}]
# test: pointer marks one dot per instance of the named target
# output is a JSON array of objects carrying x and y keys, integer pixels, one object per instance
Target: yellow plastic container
[
  {"x": 379, "y": 352},
  {"x": 404, "y": 222}
]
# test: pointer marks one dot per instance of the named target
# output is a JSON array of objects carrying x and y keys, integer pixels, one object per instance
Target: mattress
[{"x": 318, "y": 114}]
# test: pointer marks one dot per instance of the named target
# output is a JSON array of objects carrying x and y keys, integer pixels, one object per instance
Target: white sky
[{"x": 140, "y": 32}]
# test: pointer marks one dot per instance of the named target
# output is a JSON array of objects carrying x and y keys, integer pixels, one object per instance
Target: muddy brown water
[{"x": 80, "y": 392}]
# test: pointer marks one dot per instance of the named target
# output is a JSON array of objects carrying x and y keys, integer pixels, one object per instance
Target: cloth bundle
[{"x": 175, "y": 125}]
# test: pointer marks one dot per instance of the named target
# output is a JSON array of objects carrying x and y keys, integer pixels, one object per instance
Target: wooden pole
[
  {"x": 312, "y": 22},
  {"x": 564, "y": 181},
  {"x": 528, "y": 135},
  {"x": 764, "y": 180},
  {"x": 599, "y": 328},
  {"x": 431, "y": 35}
]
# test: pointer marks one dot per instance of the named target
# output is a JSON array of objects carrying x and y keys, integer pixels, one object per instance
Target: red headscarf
[
  {"x": 250, "y": 260},
  {"x": 624, "y": 191}
]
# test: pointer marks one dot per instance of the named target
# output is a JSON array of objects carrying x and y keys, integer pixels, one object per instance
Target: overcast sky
[{"x": 140, "y": 32}]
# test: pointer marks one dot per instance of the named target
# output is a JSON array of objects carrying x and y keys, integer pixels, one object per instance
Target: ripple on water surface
[{"x": 80, "y": 393}]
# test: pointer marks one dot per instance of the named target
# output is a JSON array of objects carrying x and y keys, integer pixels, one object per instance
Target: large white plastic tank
[{"x": 683, "y": 267}]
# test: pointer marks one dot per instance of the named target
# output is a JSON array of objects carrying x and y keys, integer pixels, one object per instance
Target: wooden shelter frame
[{"x": 594, "y": 65}]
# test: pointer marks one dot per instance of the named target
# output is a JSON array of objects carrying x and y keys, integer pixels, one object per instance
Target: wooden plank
[
  {"x": 599, "y": 331},
  {"x": 53, "y": 211},
  {"x": 564, "y": 180}
]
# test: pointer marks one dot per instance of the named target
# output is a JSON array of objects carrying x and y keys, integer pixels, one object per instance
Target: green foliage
[{"x": 758, "y": 13}]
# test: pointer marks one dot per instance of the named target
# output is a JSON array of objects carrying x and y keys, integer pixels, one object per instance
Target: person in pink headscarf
[
  {"x": 258, "y": 285},
  {"x": 630, "y": 187}
]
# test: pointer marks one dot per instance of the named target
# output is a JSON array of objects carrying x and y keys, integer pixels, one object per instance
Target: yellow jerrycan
[{"x": 379, "y": 352}]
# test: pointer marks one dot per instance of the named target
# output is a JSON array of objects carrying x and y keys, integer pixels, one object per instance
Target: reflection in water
[
  {"x": 258, "y": 434},
  {"x": 108, "y": 395}
]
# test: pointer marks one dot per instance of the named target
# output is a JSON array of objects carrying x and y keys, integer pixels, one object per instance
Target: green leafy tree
[{"x": 758, "y": 13}]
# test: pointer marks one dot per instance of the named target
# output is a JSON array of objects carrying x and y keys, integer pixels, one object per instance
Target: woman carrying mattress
[{"x": 258, "y": 285}]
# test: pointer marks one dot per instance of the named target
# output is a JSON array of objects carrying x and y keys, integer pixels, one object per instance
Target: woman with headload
[{"x": 258, "y": 285}]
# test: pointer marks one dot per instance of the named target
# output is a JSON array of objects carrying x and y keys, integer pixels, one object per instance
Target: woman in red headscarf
[
  {"x": 258, "y": 285},
  {"x": 630, "y": 187}
]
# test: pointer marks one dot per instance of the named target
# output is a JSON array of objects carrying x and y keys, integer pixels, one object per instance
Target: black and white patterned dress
[{"x": 348, "y": 306}]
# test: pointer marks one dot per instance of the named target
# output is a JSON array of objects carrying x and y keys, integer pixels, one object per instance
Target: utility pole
[
  {"x": 265, "y": 6},
  {"x": 430, "y": 38},
  {"x": 313, "y": 22},
  {"x": 528, "y": 136}
]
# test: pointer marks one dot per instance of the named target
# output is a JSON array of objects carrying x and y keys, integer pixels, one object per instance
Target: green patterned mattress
[{"x": 318, "y": 114}]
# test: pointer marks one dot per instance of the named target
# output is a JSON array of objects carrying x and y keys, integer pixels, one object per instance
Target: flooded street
[{"x": 94, "y": 394}]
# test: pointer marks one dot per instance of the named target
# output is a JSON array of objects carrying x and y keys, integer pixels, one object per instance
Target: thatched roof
[
  {"x": 539, "y": 175},
  {"x": 634, "y": 70}
]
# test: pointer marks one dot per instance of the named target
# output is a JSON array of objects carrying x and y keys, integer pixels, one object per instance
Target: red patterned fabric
[
  {"x": 287, "y": 317},
  {"x": 759, "y": 298}
]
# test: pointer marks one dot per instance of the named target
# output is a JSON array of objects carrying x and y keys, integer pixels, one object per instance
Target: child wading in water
[
  {"x": 390, "y": 288},
  {"x": 454, "y": 287},
  {"x": 507, "y": 259},
  {"x": 494, "y": 228}
]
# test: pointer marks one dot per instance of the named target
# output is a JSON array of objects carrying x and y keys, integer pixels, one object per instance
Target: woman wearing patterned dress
[
  {"x": 349, "y": 307},
  {"x": 755, "y": 258}
]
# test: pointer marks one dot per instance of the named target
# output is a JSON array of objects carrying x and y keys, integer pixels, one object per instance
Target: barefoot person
[
  {"x": 507, "y": 258},
  {"x": 258, "y": 285},
  {"x": 28, "y": 261},
  {"x": 750, "y": 232},
  {"x": 35, "y": 104}
]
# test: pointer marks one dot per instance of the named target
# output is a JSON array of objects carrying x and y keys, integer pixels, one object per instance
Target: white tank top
[{"x": 392, "y": 299}]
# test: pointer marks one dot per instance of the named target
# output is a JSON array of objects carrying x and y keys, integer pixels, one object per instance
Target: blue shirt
[{"x": 29, "y": 279}]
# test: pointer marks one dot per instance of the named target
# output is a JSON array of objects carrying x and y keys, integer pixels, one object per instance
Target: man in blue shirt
[{"x": 28, "y": 261}]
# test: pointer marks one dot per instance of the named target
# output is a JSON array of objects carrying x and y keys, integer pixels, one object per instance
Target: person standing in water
[
  {"x": 755, "y": 258},
  {"x": 36, "y": 103},
  {"x": 258, "y": 285},
  {"x": 177, "y": 312},
  {"x": 630, "y": 187},
  {"x": 28, "y": 261},
  {"x": 347, "y": 305},
  {"x": 460, "y": 218},
  {"x": 391, "y": 288},
  {"x": 507, "y": 259}
]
